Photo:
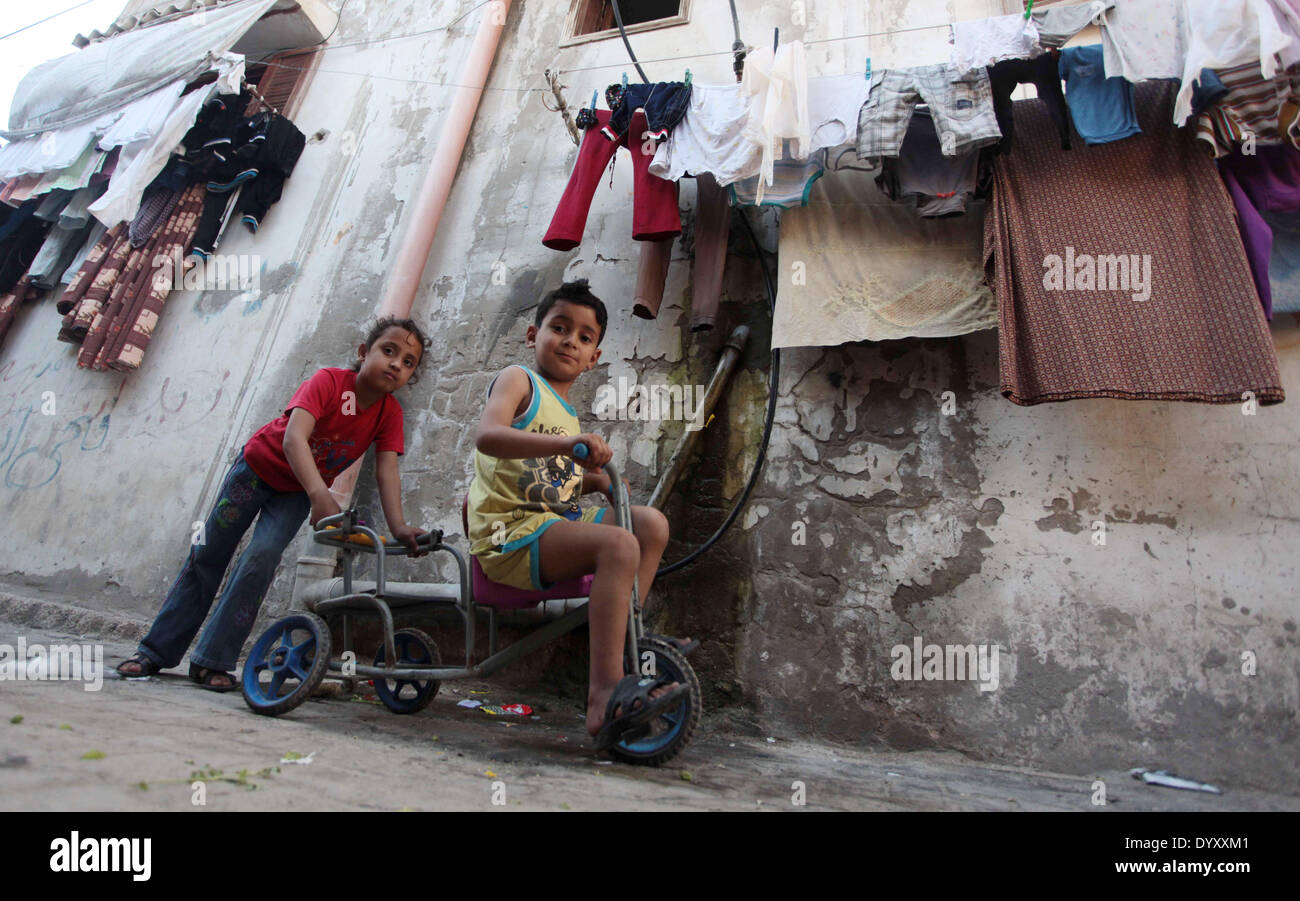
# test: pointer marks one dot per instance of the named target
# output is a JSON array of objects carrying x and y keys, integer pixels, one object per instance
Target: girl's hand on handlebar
[
  {"x": 407, "y": 535},
  {"x": 598, "y": 452},
  {"x": 322, "y": 506}
]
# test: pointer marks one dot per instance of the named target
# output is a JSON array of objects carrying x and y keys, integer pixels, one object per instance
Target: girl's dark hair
[
  {"x": 574, "y": 292},
  {"x": 383, "y": 325}
]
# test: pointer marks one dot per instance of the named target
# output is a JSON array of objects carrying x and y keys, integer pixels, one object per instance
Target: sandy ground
[{"x": 137, "y": 745}]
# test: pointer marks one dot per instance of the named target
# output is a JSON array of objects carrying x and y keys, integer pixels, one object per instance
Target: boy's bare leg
[
  {"x": 651, "y": 528},
  {"x": 568, "y": 550}
]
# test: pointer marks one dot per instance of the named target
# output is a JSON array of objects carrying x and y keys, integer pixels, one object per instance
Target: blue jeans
[{"x": 243, "y": 496}]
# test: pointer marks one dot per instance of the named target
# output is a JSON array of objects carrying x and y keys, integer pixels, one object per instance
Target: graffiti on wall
[{"x": 44, "y": 422}]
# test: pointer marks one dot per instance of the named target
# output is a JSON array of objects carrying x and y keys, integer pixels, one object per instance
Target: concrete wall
[{"x": 968, "y": 527}]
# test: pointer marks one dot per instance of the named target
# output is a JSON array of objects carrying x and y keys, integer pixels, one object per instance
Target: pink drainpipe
[{"x": 426, "y": 212}]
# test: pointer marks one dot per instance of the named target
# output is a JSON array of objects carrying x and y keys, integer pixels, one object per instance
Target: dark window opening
[{"x": 598, "y": 15}]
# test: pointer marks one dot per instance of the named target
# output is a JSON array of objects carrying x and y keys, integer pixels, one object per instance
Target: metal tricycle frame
[{"x": 346, "y": 525}]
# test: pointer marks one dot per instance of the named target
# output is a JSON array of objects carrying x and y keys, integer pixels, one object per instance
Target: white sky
[{"x": 22, "y": 52}]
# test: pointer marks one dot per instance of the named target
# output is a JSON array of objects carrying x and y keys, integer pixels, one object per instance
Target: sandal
[
  {"x": 147, "y": 667},
  {"x": 206, "y": 678},
  {"x": 635, "y": 718}
]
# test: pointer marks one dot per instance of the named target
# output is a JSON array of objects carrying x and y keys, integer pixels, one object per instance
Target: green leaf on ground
[
  {"x": 291, "y": 755},
  {"x": 16, "y": 718},
  {"x": 65, "y": 726},
  {"x": 686, "y": 776},
  {"x": 93, "y": 755}
]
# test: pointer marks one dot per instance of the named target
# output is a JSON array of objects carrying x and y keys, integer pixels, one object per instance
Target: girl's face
[{"x": 390, "y": 361}]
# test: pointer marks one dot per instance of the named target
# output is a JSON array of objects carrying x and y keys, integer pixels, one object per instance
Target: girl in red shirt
[{"x": 281, "y": 477}]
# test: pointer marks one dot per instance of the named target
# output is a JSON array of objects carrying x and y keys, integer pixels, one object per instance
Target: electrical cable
[
  {"x": 46, "y": 19},
  {"x": 774, "y": 369},
  {"x": 774, "y": 380}
]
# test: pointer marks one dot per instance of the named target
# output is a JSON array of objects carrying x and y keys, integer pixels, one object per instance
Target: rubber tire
[
  {"x": 258, "y": 659},
  {"x": 426, "y": 690},
  {"x": 658, "y": 750}
]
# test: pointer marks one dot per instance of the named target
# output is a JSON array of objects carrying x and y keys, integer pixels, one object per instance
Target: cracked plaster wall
[{"x": 974, "y": 527}]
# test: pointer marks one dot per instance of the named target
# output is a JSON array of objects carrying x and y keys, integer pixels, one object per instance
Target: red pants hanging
[{"x": 654, "y": 199}]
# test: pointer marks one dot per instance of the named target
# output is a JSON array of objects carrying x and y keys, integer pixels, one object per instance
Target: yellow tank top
[{"x": 509, "y": 500}]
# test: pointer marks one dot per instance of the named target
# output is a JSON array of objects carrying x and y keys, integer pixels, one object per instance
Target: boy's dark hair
[
  {"x": 383, "y": 325},
  {"x": 574, "y": 292}
]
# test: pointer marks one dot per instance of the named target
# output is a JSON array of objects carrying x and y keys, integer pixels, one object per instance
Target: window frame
[{"x": 683, "y": 17}]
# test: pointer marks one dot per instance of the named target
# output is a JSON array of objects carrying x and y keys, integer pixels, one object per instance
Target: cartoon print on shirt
[{"x": 548, "y": 481}]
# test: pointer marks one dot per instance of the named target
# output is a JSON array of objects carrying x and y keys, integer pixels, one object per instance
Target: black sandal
[
  {"x": 635, "y": 718},
  {"x": 205, "y": 678},
  {"x": 147, "y": 667}
]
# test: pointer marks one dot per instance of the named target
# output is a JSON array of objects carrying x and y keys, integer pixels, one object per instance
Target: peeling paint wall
[{"x": 888, "y": 509}]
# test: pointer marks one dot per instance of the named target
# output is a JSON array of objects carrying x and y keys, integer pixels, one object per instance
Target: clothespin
[
  {"x": 1029, "y": 9},
  {"x": 776, "y": 38},
  {"x": 625, "y": 81},
  {"x": 688, "y": 76},
  {"x": 594, "y": 95},
  {"x": 868, "y": 68}
]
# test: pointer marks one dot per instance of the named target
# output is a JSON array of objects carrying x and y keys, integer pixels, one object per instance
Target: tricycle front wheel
[{"x": 671, "y": 731}]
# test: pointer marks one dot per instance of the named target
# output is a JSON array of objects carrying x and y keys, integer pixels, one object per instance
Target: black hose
[
  {"x": 774, "y": 373},
  {"x": 773, "y": 385},
  {"x": 618, "y": 18}
]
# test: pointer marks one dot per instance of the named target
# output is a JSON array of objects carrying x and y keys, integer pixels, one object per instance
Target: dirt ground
[{"x": 141, "y": 744}]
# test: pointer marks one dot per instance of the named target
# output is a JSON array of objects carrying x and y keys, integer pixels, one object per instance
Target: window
[
  {"x": 283, "y": 78},
  {"x": 593, "y": 20}
]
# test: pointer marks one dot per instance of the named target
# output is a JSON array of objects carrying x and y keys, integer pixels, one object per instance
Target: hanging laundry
[
  {"x": 651, "y": 277},
  {"x": 141, "y": 161},
  {"x": 1119, "y": 278},
  {"x": 777, "y": 85},
  {"x": 712, "y": 232},
  {"x": 664, "y": 103},
  {"x": 1057, "y": 24},
  {"x": 1267, "y": 181},
  {"x": 708, "y": 236},
  {"x": 792, "y": 181},
  {"x": 1102, "y": 108},
  {"x": 980, "y": 43},
  {"x": 862, "y": 279},
  {"x": 1044, "y": 74},
  {"x": 1284, "y": 262},
  {"x": 710, "y": 138},
  {"x": 1144, "y": 39},
  {"x": 10, "y": 301},
  {"x": 1251, "y": 109},
  {"x": 961, "y": 104},
  {"x": 21, "y": 236},
  {"x": 1223, "y": 33},
  {"x": 654, "y": 200},
  {"x": 262, "y": 155},
  {"x": 1209, "y": 90},
  {"x": 97, "y": 231},
  {"x": 934, "y": 185},
  {"x": 64, "y": 241},
  {"x": 112, "y": 305}
]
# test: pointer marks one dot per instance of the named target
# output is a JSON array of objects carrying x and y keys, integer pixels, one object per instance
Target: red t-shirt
[{"x": 341, "y": 435}]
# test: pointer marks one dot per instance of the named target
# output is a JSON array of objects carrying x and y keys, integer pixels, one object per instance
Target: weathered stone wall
[{"x": 972, "y": 526}]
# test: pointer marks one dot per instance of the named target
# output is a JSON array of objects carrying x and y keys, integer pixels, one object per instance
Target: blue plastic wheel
[
  {"x": 286, "y": 664},
  {"x": 414, "y": 648},
  {"x": 667, "y": 734}
]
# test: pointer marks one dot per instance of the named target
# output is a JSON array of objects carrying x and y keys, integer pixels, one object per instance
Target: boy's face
[
  {"x": 566, "y": 340},
  {"x": 390, "y": 361}
]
